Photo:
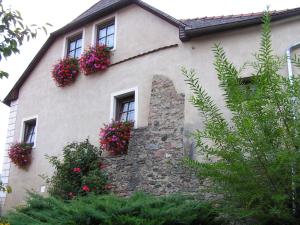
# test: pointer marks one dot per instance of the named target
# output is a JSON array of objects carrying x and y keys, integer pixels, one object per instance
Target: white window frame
[
  {"x": 22, "y": 131},
  {"x": 102, "y": 22},
  {"x": 66, "y": 41},
  {"x": 113, "y": 103}
]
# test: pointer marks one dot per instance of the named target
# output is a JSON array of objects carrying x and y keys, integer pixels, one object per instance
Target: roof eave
[{"x": 196, "y": 32}]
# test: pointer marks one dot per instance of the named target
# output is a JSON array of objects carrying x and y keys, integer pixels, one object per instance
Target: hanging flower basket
[
  {"x": 95, "y": 59},
  {"x": 20, "y": 154},
  {"x": 114, "y": 137},
  {"x": 65, "y": 71}
]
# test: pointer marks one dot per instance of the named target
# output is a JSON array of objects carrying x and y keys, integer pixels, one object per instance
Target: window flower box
[
  {"x": 114, "y": 137},
  {"x": 20, "y": 154},
  {"x": 65, "y": 71},
  {"x": 95, "y": 59}
]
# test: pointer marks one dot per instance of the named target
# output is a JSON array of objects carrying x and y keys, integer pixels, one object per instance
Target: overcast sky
[{"x": 60, "y": 12}]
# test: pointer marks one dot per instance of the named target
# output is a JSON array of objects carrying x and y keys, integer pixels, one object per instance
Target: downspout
[{"x": 291, "y": 79}]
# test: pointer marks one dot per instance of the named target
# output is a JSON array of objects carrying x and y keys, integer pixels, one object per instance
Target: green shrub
[
  {"x": 140, "y": 209},
  {"x": 78, "y": 172},
  {"x": 258, "y": 168}
]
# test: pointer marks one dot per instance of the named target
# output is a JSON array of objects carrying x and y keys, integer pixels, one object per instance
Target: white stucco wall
[{"x": 78, "y": 111}]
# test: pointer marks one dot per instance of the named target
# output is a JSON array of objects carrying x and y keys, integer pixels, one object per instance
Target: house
[{"x": 148, "y": 49}]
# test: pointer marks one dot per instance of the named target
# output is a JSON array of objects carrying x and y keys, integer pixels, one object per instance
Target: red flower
[
  {"x": 65, "y": 71},
  {"x": 114, "y": 137},
  {"x": 86, "y": 188},
  {"x": 20, "y": 154},
  {"x": 77, "y": 170}
]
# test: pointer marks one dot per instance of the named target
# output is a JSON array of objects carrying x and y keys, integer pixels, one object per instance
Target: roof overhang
[{"x": 188, "y": 33}]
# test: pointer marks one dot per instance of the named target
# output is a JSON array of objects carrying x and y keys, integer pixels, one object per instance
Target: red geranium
[
  {"x": 65, "y": 71},
  {"x": 95, "y": 59},
  {"x": 86, "y": 188},
  {"x": 77, "y": 170},
  {"x": 114, "y": 137},
  {"x": 20, "y": 154}
]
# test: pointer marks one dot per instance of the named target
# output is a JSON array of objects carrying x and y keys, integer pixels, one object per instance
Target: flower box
[
  {"x": 65, "y": 71},
  {"x": 114, "y": 137},
  {"x": 95, "y": 59},
  {"x": 20, "y": 154}
]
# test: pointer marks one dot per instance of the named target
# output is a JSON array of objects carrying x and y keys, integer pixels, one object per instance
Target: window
[
  {"x": 125, "y": 108},
  {"x": 124, "y": 105},
  {"x": 75, "y": 46},
  {"x": 29, "y": 132},
  {"x": 106, "y": 34}
]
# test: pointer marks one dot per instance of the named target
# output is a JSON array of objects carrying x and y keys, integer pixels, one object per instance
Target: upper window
[
  {"x": 125, "y": 108},
  {"x": 106, "y": 34},
  {"x": 75, "y": 46},
  {"x": 29, "y": 131}
]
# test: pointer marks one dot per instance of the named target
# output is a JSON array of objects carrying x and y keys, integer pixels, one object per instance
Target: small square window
[
  {"x": 125, "y": 110},
  {"x": 106, "y": 34},
  {"x": 29, "y": 132},
  {"x": 75, "y": 46}
]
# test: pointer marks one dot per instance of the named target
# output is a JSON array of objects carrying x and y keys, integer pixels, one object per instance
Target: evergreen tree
[{"x": 256, "y": 172}]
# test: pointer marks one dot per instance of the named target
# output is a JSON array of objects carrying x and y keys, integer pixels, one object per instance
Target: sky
[{"x": 60, "y": 12}]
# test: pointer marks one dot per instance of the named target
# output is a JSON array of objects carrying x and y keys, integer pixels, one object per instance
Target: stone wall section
[
  {"x": 154, "y": 160},
  {"x": 9, "y": 141}
]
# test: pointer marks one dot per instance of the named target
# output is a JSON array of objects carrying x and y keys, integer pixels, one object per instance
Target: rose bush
[
  {"x": 78, "y": 173},
  {"x": 114, "y": 137},
  {"x": 65, "y": 71},
  {"x": 95, "y": 59},
  {"x": 20, "y": 154}
]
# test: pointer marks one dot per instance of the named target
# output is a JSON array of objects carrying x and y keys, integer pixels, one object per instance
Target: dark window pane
[
  {"x": 74, "y": 46},
  {"x": 29, "y": 132}
]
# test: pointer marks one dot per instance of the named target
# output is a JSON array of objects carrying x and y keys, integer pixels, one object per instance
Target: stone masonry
[{"x": 154, "y": 160}]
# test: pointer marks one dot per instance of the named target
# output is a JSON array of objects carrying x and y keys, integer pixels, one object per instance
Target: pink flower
[
  {"x": 86, "y": 188},
  {"x": 77, "y": 170}
]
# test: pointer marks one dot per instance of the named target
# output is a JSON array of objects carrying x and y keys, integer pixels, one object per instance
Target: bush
[
  {"x": 114, "y": 137},
  {"x": 78, "y": 173},
  {"x": 140, "y": 209},
  {"x": 258, "y": 168},
  {"x": 20, "y": 154}
]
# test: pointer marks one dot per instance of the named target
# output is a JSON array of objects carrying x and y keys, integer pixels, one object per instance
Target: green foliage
[
  {"x": 78, "y": 172},
  {"x": 254, "y": 158},
  {"x": 13, "y": 32},
  {"x": 140, "y": 209}
]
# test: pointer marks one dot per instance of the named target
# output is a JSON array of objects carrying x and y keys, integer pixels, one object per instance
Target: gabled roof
[{"x": 188, "y": 28}]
